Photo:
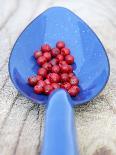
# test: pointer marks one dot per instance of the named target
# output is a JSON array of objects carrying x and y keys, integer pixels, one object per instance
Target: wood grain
[{"x": 21, "y": 121}]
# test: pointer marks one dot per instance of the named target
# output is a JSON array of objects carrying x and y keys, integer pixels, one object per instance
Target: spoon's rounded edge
[{"x": 74, "y": 102}]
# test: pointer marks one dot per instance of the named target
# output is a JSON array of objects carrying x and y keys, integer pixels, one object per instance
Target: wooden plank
[{"x": 22, "y": 122}]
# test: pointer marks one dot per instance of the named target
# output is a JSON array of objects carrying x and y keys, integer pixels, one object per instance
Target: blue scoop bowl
[{"x": 91, "y": 67}]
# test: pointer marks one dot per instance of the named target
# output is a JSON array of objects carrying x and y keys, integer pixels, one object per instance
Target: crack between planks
[{"x": 21, "y": 129}]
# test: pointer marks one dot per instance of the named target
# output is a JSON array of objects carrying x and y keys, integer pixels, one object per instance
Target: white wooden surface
[{"x": 21, "y": 122}]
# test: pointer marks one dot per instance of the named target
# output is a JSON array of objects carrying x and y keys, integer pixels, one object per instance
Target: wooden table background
[{"x": 21, "y": 122}]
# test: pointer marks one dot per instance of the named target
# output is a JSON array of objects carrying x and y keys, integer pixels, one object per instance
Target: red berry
[
  {"x": 70, "y": 68},
  {"x": 48, "y": 75},
  {"x": 41, "y": 60},
  {"x": 60, "y": 57},
  {"x": 65, "y": 51},
  {"x": 32, "y": 80},
  {"x": 47, "y": 81},
  {"x": 62, "y": 63},
  {"x": 66, "y": 85},
  {"x": 55, "y": 85},
  {"x": 64, "y": 69},
  {"x": 47, "y": 55},
  {"x": 60, "y": 44},
  {"x": 64, "y": 77},
  {"x": 45, "y": 48},
  {"x": 39, "y": 77},
  {"x": 69, "y": 59},
  {"x": 54, "y": 62},
  {"x": 74, "y": 80},
  {"x": 48, "y": 89},
  {"x": 73, "y": 91},
  {"x": 71, "y": 75},
  {"x": 55, "y": 52},
  {"x": 55, "y": 69},
  {"x": 41, "y": 83},
  {"x": 47, "y": 66},
  {"x": 42, "y": 72},
  {"x": 37, "y": 54},
  {"x": 54, "y": 78},
  {"x": 38, "y": 89}
]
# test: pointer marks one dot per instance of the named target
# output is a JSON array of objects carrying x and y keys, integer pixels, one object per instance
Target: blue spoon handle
[{"x": 59, "y": 136}]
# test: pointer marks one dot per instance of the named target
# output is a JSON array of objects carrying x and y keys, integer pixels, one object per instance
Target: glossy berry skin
[
  {"x": 39, "y": 77},
  {"x": 55, "y": 52},
  {"x": 41, "y": 60},
  {"x": 41, "y": 83},
  {"x": 64, "y": 77},
  {"x": 54, "y": 62},
  {"x": 47, "y": 66},
  {"x": 45, "y": 48},
  {"x": 60, "y": 44},
  {"x": 47, "y": 81},
  {"x": 64, "y": 69},
  {"x": 55, "y": 85},
  {"x": 71, "y": 75},
  {"x": 37, "y": 54},
  {"x": 65, "y": 51},
  {"x": 42, "y": 72},
  {"x": 66, "y": 85},
  {"x": 74, "y": 90},
  {"x": 70, "y": 69},
  {"x": 32, "y": 81},
  {"x": 48, "y": 89},
  {"x": 55, "y": 69},
  {"x": 60, "y": 57},
  {"x": 62, "y": 63},
  {"x": 74, "y": 80},
  {"x": 54, "y": 78},
  {"x": 69, "y": 59},
  {"x": 38, "y": 89},
  {"x": 47, "y": 55},
  {"x": 48, "y": 76}
]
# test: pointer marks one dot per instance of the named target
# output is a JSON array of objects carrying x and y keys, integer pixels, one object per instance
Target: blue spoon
[{"x": 91, "y": 66}]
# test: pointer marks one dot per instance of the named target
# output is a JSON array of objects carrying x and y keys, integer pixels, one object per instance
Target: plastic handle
[{"x": 59, "y": 134}]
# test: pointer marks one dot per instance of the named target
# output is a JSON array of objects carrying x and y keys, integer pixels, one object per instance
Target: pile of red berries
[{"x": 56, "y": 70}]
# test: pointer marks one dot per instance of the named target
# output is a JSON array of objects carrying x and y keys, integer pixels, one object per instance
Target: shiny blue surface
[
  {"x": 57, "y": 23},
  {"x": 59, "y": 137}
]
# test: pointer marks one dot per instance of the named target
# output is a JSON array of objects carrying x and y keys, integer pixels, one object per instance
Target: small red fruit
[
  {"x": 42, "y": 72},
  {"x": 66, "y": 86},
  {"x": 48, "y": 89},
  {"x": 38, "y": 89},
  {"x": 64, "y": 77},
  {"x": 41, "y": 60},
  {"x": 47, "y": 55},
  {"x": 74, "y": 90},
  {"x": 64, "y": 69},
  {"x": 45, "y": 48},
  {"x": 39, "y": 77},
  {"x": 55, "y": 85},
  {"x": 47, "y": 81},
  {"x": 47, "y": 66},
  {"x": 60, "y": 44},
  {"x": 70, "y": 68},
  {"x": 69, "y": 59},
  {"x": 48, "y": 75},
  {"x": 60, "y": 57},
  {"x": 74, "y": 80},
  {"x": 55, "y": 52},
  {"x": 54, "y": 78},
  {"x": 37, "y": 54},
  {"x": 55, "y": 69},
  {"x": 71, "y": 75},
  {"x": 41, "y": 83},
  {"x": 54, "y": 62},
  {"x": 32, "y": 80},
  {"x": 65, "y": 51}
]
